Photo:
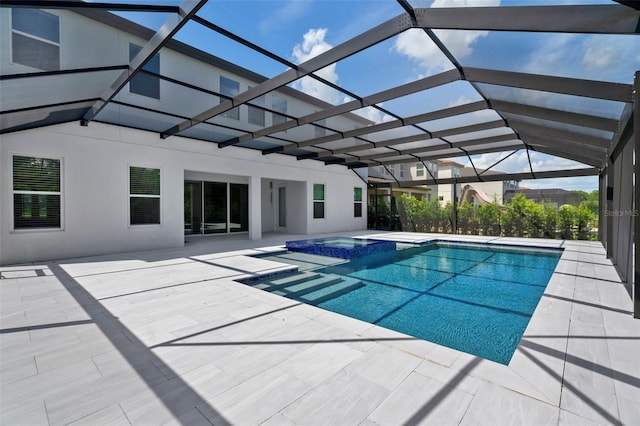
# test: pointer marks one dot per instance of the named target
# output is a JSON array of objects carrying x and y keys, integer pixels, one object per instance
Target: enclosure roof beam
[
  {"x": 589, "y": 160},
  {"x": 454, "y": 152},
  {"x": 523, "y": 127},
  {"x": 509, "y": 176},
  {"x": 589, "y": 19},
  {"x": 569, "y": 86},
  {"x": 394, "y": 124},
  {"x": 362, "y": 41},
  {"x": 460, "y": 144},
  {"x": 584, "y": 120},
  {"x": 396, "y": 92}
]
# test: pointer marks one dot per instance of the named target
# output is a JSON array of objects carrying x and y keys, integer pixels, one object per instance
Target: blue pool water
[{"x": 474, "y": 298}]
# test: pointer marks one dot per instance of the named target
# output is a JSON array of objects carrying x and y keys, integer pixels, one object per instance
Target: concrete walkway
[{"x": 169, "y": 337}]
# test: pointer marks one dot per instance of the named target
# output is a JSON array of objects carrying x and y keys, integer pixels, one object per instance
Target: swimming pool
[{"x": 477, "y": 298}]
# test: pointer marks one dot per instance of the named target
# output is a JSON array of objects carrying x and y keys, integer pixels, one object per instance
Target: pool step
[
  {"x": 311, "y": 287},
  {"x": 284, "y": 282},
  {"x": 340, "y": 291},
  {"x": 308, "y": 284}
]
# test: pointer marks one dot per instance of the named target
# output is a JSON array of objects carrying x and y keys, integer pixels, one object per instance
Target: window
[
  {"x": 419, "y": 170},
  {"x": 401, "y": 170},
  {"x": 231, "y": 89},
  {"x": 36, "y": 192},
  {"x": 320, "y": 131},
  {"x": 392, "y": 169},
  {"x": 144, "y": 196},
  {"x": 357, "y": 202},
  {"x": 318, "y": 201},
  {"x": 279, "y": 104},
  {"x": 143, "y": 83},
  {"x": 256, "y": 115},
  {"x": 35, "y": 39}
]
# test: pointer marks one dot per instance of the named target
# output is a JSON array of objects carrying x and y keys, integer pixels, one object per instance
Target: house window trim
[
  {"x": 61, "y": 228},
  {"x": 36, "y": 38},
  {"x": 129, "y": 196}
]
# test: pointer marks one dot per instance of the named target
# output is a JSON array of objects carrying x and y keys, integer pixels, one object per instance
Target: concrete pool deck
[{"x": 169, "y": 337}]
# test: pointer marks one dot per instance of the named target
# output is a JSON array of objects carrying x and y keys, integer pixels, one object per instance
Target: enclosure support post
[
  {"x": 454, "y": 213},
  {"x": 636, "y": 197},
  {"x": 608, "y": 208},
  {"x": 602, "y": 202}
]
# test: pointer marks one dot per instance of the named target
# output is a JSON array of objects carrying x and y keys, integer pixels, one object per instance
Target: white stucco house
[{"x": 114, "y": 185}]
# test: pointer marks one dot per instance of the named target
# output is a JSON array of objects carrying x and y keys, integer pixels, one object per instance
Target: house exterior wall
[
  {"x": 95, "y": 197},
  {"x": 95, "y": 159}
]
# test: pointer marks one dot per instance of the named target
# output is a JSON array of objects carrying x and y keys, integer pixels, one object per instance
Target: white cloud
[
  {"x": 417, "y": 46},
  {"x": 598, "y": 57},
  {"x": 557, "y": 50},
  {"x": 313, "y": 44},
  {"x": 600, "y": 54}
]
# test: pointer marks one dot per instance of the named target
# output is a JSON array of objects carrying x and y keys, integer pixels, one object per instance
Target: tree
[
  {"x": 467, "y": 218},
  {"x": 489, "y": 218},
  {"x": 565, "y": 216}
]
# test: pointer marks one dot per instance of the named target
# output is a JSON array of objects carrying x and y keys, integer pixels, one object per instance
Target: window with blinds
[
  {"x": 36, "y": 192},
  {"x": 144, "y": 196},
  {"x": 318, "y": 201},
  {"x": 35, "y": 39}
]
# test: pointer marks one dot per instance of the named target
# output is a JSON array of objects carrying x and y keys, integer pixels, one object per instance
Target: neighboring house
[
  {"x": 551, "y": 196},
  {"x": 448, "y": 169},
  {"x": 403, "y": 174},
  {"x": 476, "y": 192},
  {"x": 67, "y": 190},
  {"x": 485, "y": 192},
  {"x": 384, "y": 183}
]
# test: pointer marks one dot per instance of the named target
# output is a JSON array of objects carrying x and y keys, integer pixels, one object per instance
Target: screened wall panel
[{"x": 622, "y": 214}]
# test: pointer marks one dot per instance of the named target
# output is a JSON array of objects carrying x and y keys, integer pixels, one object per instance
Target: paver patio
[{"x": 170, "y": 337}]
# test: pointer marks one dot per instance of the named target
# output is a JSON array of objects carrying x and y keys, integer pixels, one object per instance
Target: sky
[{"x": 298, "y": 30}]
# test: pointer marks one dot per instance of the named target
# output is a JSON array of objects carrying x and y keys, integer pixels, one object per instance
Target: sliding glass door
[{"x": 215, "y": 207}]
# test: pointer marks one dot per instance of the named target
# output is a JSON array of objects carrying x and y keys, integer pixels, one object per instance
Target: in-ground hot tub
[{"x": 342, "y": 247}]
